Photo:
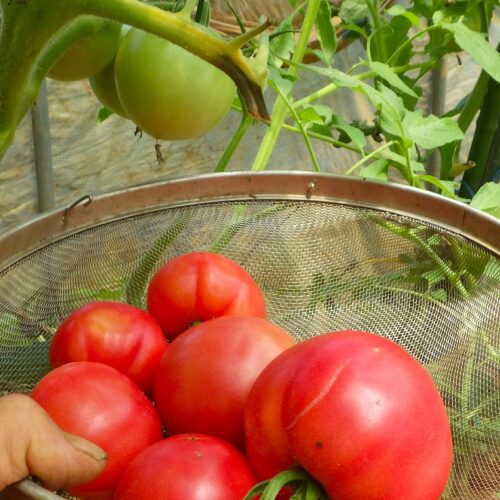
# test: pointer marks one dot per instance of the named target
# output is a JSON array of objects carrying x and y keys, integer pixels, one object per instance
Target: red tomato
[
  {"x": 104, "y": 406},
  {"x": 187, "y": 467},
  {"x": 361, "y": 416},
  {"x": 199, "y": 286},
  {"x": 266, "y": 440},
  {"x": 203, "y": 379},
  {"x": 116, "y": 334}
]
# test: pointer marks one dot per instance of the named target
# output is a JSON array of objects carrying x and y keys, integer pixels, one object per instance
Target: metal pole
[
  {"x": 438, "y": 96},
  {"x": 42, "y": 151}
]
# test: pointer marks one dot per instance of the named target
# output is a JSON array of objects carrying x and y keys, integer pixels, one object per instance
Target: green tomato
[
  {"x": 168, "y": 92},
  {"x": 104, "y": 87},
  {"x": 89, "y": 55}
]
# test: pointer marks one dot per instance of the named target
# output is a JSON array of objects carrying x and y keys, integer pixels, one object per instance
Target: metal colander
[{"x": 329, "y": 253}]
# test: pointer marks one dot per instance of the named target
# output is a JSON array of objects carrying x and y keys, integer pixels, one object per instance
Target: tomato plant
[
  {"x": 204, "y": 377},
  {"x": 101, "y": 404},
  {"x": 168, "y": 92},
  {"x": 120, "y": 335},
  {"x": 360, "y": 415},
  {"x": 187, "y": 466},
  {"x": 199, "y": 286},
  {"x": 89, "y": 55}
]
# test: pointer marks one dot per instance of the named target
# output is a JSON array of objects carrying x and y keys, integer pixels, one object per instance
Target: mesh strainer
[{"x": 329, "y": 252}]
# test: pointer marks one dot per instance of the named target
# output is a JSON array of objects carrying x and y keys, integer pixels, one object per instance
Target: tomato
[
  {"x": 168, "y": 92},
  {"x": 205, "y": 374},
  {"x": 104, "y": 87},
  {"x": 266, "y": 440},
  {"x": 120, "y": 335},
  {"x": 101, "y": 404},
  {"x": 88, "y": 56},
  {"x": 364, "y": 418},
  {"x": 199, "y": 286},
  {"x": 187, "y": 466}
]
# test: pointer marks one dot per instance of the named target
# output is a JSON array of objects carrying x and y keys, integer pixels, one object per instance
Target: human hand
[{"x": 32, "y": 444}]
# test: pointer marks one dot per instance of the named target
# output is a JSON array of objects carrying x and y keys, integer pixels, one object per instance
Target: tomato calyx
[{"x": 303, "y": 485}]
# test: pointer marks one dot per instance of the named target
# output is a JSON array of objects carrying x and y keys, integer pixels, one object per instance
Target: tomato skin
[
  {"x": 187, "y": 466},
  {"x": 266, "y": 439},
  {"x": 117, "y": 334},
  {"x": 199, "y": 286},
  {"x": 167, "y": 91},
  {"x": 205, "y": 375},
  {"x": 365, "y": 419},
  {"x": 101, "y": 404},
  {"x": 104, "y": 88},
  {"x": 89, "y": 55}
]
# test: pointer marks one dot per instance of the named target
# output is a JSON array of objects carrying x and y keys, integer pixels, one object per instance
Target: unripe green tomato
[
  {"x": 168, "y": 92},
  {"x": 104, "y": 87},
  {"x": 87, "y": 56}
]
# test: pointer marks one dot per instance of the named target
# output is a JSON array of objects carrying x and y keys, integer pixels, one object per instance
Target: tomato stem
[
  {"x": 245, "y": 122},
  {"x": 280, "y": 107}
]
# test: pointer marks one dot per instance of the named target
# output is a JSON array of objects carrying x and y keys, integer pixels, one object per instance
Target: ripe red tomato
[
  {"x": 199, "y": 286},
  {"x": 203, "y": 379},
  {"x": 167, "y": 91},
  {"x": 119, "y": 335},
  {"x": 266, "y": 440},
  {"x": 88, "y": 56},
  {"x": 363, "y": 417},
  {"x": 101, "y": 404},
  {"x": 187, "y": 467}
]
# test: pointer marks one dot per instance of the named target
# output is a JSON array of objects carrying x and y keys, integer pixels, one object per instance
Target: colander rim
[{"x": 87, "y": 211}]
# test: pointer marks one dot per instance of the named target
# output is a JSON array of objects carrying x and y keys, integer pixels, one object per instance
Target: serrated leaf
[
  {"x": 326, "y": 30},
  {"x": 488, "y": 199},
  {"x": 389, "y": 106},
  {"x": 477, "y": 46},
  {"x": 399, "y": 10},
  {"x": 377, "y": 170},
  {"x": 430, "y": 131},
  {"x": 387, "y": 73},
  {"x": 355, "y": 134}
]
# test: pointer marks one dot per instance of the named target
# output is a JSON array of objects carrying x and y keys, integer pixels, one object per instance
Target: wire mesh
[{"x": 322, "y": 267}]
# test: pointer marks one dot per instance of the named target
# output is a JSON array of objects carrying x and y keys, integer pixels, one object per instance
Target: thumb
[{"x": 32, "y": 444}]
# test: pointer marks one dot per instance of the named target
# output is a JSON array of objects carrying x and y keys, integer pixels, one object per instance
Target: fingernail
[{"x": 85, "y": 446}]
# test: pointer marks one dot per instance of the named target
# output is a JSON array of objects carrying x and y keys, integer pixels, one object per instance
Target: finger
[{"x": 33, "y": 444}]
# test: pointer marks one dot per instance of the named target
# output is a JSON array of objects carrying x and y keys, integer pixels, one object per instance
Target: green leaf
[
  {"x": 354, "y": 11},
  {"x": 430, "y": 131},
  {"x": 282, "y": 42},
  {"x": 103, "y": 113},
  {"x": 390, "y": 108},
  {"x": 326, "y": 30},
  {"x": 477, "y": 46},
  {"x": 377, "y": 170},
  {"x": 386, "y": 72},
  {"x": 398, "y": 159},
  {"x": 488, "y": 199},
  {"x": 355, "y": 134},
  {"x": 447, "y": 187},
  {"x": 281, "y": 79},
  {"x": 399, "y": 10}
]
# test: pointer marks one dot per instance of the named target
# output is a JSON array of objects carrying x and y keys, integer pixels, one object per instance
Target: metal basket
[{"x": 329, "y": 252}]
